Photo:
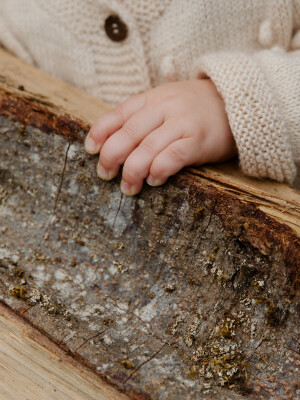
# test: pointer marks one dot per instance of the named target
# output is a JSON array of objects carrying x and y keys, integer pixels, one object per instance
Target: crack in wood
[
  {"x": 119, "y": 207},
  {"x": 210, "y": 217},
  {"x": 61, "y": 341},
  {"x": 132, "y": 314},
  {"x": 57, "y": 196},
  {"x": 92, "y": 337},
  {"x": 145, "y": 362},
  {"x": 254, "y": 351},
  {"x": 62, "y": 177},
  {"x": 271, "y": 201},
  {"x": 27, "y": 309}
]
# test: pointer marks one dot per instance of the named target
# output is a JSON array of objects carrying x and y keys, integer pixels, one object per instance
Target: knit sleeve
[
  {"x": 261, "y": 92},
  {"x": 10, "y": 42}
]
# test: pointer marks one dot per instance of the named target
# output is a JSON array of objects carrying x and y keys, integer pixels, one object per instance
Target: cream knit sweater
[{"x": 249, "y": 48}]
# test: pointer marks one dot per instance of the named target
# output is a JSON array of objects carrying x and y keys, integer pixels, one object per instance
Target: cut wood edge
[
  {"x": 38, "y": 86},
  {"x": 285, "y": 209},
  {"x": 244, "y": 221},
  {"x": 32, "y": 366},
  {"x": 53, "y": 105}
]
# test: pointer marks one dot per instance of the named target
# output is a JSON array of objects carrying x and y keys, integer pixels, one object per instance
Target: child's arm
[
  {"x": 157, "y": 133},
  {"x": 261, "y": 93},
  {"x": 178, "y": 124},
  {"x": 262, "y": 96}
]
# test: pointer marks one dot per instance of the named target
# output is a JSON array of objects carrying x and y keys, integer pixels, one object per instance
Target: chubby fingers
[
  {"x": 137, "y": 165},
  {"x": 160, "y": 155},
  {"x": 177, "y": 155},
  {"x": 121, "y": 144},
  {"x": 109, "y": 123}
]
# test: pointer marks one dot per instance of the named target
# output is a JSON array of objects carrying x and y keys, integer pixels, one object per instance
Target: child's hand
[{"x": 156, "y": 133}]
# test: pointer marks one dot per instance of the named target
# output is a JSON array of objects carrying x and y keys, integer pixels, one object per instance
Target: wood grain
[{"x": 33, "y": 368}]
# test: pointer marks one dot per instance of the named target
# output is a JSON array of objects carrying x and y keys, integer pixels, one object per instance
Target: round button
[{"x": 115, "y": 28}]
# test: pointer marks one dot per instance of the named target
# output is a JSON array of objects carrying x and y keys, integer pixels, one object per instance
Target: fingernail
[
  {"x": 154, "y": 182},
  {"x": 91, "y": 146},
  {"x": 127, "y": 189},
  {"x": 103, "y": 173}
]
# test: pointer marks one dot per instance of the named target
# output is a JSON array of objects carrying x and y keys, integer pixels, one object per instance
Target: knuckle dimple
[
  {"x": 177, "y": 154},
  {"x": 130, "y": 131},
  {"x": 105, "y": 159},
  {"x": 108, "y": 154},
  {"x": 129, "y": 173},
  {"x": 158, "y": 168},
  {"x": 147, "y": 146},
  {"x": 95, "y": 130},
  {"x": 120, "y": 112}
]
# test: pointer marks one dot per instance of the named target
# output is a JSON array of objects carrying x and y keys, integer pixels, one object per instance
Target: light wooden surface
[
  {"x": 33, "y": 368},
  {"x": 277, "y": 200},
  {"x": 50, "y": 91}
]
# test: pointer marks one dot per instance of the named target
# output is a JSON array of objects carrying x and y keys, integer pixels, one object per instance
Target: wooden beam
[
  {"x": 185, "y": 291},
  {"x": 33, "y": 97},
  {"x": 21, "y": 79},
  {"x": 32, "y": 367}
]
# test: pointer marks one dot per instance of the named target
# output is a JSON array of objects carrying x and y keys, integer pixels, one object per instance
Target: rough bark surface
[
  {"x": 189, "y": 291},
  {"x": 182, "y": 292}
]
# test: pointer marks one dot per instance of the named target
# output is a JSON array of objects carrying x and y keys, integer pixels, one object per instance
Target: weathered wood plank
[
  {"x": 181, "y": 292},
  {"x": 20, "y": 78},
  {"x": 32, "y": 367}
]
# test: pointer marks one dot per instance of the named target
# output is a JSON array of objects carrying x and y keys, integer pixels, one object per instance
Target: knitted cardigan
[{"x": 250, "y": 49}]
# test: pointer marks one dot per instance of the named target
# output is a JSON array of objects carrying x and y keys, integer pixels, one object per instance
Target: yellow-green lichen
[
  {"x": 126, "y": 364},
  {"x": 18, "y": 291},
  {"x": 19, "y": 272},
  {"x": 212, "y": 254}
]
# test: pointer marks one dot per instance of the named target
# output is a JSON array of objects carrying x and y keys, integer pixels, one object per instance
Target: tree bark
[{"x": 188, "y": 291}]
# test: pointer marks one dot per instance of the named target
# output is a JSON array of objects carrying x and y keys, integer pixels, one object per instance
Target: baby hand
[{"x": 157, "y": 133}]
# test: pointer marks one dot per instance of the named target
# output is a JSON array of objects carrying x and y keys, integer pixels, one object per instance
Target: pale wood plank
[
  {"x": 32, "y": 367},
  {"x": 50, "y": 91},
  {"x": 280, "y": 201}
]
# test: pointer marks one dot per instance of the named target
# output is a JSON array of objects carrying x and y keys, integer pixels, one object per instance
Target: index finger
[{"x": 109, "y": 123}]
